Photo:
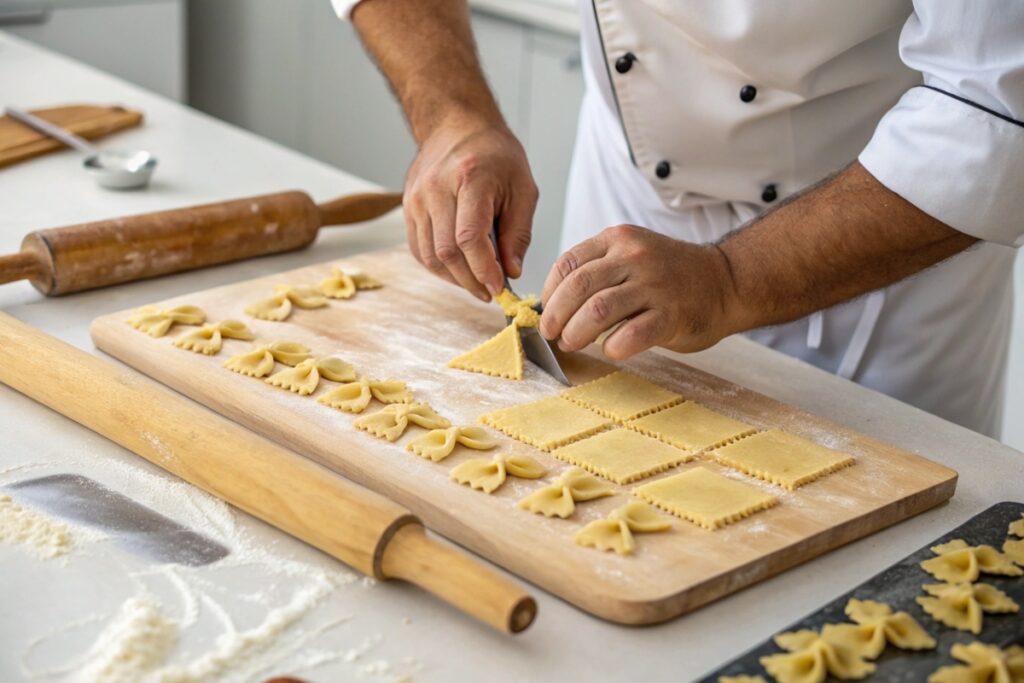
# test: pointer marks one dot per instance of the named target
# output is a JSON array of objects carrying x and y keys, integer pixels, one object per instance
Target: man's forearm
[
  {"x": 426, "y": 51},
  {"x": 847, "y": 236}
]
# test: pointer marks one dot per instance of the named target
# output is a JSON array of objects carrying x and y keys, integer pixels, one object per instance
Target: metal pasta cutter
[{"x": 538, "y": 350}]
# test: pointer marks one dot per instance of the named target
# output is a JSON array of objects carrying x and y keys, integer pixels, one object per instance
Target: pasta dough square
[
  {"x": 621, "y": 455},
  {"x": 622, "y": 396},
  {"x": 691, "y": 426},
  {"x": 548, "y": 423},
  {"x": 781, "y": 458},
  {"x": 706, "y": 498}
]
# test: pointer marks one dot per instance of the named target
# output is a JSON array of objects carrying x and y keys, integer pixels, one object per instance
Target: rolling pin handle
[
  {"x": 454, "y": 576},
  {"x": 24, "y": 265},
  {"x": 356, "y": 208}
]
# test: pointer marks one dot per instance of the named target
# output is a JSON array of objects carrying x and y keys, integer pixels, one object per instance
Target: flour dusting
[
  {"x": 137, "y": 639},
  {"x": 37, "y": 533}
]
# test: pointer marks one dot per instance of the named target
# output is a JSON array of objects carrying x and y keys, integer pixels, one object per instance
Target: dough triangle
[{"x": 499, "y": 356}]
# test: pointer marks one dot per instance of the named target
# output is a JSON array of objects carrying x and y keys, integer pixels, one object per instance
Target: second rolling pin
[{"x": 109, "y": 252}]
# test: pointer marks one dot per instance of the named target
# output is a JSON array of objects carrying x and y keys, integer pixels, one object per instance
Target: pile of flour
[{"x": 37, "y": 533}]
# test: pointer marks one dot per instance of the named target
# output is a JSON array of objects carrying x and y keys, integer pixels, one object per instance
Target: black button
[
  {"x": 625, "y": 62},
  {"x": 770, "y": 194},
  {"x": 748, "y": 93},
  {"x": 663, "y": 169}
]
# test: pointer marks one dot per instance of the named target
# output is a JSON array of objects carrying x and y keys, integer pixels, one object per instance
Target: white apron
[{"x": 672, "y": 138}]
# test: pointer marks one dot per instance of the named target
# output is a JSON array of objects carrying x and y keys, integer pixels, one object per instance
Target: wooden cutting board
[
  {"x": 19, "y": 142},
  {"x": 410, "y": 329}
]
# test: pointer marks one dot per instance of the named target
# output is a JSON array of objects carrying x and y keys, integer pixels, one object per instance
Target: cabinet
[
  {"x": 312, "y": 87},
  {"x": 141, "y": 41}
]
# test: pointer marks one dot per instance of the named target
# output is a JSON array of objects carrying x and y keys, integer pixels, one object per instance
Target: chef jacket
[{"x": 701, "y": 114}]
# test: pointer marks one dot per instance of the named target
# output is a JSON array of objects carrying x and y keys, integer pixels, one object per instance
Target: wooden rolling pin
[
  {"x": 90, "y": 255},
  {"x": 359, "y": 527}
]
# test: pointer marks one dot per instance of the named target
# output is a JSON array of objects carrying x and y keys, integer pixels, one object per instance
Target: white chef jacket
[{"x": 699, "y": 114}]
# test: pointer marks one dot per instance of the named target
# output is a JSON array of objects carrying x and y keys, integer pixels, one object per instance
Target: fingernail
[
  {"x": 518, "y": 263},
  {"x": 493, "y": 289}
]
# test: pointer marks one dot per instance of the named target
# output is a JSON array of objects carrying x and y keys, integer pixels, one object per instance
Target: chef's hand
[
  {"x": 664, "y": 292},
  {"x": 464, "y": 175}
]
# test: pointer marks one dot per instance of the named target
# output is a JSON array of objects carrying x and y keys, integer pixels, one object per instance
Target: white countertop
[{"x": 50, "y": 611}]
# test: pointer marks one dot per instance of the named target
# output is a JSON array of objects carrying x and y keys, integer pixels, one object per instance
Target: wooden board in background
[
  {"x": 410, "y": 329},
  {"x": 19, "y": 142}
]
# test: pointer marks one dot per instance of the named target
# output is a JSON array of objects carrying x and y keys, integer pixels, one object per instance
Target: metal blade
[
  {"x": 538, "y": 351},
  {"x": 133, "y": 526}
]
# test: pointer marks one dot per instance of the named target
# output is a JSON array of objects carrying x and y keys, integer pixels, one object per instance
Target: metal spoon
[{"x": 113, "y": 169}]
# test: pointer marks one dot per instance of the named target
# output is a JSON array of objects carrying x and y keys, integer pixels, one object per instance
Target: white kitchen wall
[{"x": 294, "y": 73}]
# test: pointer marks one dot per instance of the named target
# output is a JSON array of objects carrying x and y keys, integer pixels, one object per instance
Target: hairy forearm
[
  {"x": 845, "y": 237},
  {"x": 426, "y": 51}
]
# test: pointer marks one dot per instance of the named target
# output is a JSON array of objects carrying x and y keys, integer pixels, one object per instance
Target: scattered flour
[
  {"x": 41, "y": 535},
  {"x": 138, "y": 639}
]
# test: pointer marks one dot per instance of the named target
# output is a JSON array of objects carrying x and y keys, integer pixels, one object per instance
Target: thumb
[{"x": 515, "y": 226}]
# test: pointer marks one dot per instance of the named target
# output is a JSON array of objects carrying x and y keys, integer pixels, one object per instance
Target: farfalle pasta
[
  {"x": 876, "y": 625},
  {"x": 156, "y": 321},
  {"x": 209, "y": 338},
  {"x": 391, "y": 421},
  {"x": 960, "y": 605},
  {"x": 353, "y": 397},
  {"x": 343, "y": 285},
  {"x": 559, "y": 498},
  {"x": 488, "y": 475},
  {"x": 811, "y": 658},
  {"x": 438, "y": 444},
  {"x": 259, "y": 360},
  {"x": 615, "y": 532},
  {"x": 958, "y": 562},
  {"x": 279, "y": 306},
  {"x": 304, "y": 378}
]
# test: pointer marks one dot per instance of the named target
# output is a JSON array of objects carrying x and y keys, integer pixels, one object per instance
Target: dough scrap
[
  {"x": 960, "y": 605},
  {"x": 559, "y": 498},
  {"x": 488, "y": 475},
  {"x": 983, "y": 664},
  {"x": 156, "y": 321},
  {"x": 622, "y": 396},
  {"x": 1014, "y": 550},
  {"x": 546, "y": 424},
  {"x": 259, "y": 360},
  {"x": 512, "y": 305},
  {"x": 1017, "y": 528},
  {"x": 810, "y": 658},
  {"x": 438, "y": 444},
  {"x": 621, "y": 455},
  {"x": 391, "y": 421},
  {"x": 691, "y": 427},
  {"x": 304, "y": 378},
  {"x": 958, "y": 562},
  {"x": 874, "y": 625},
  {"x": 353, "y": 397},
  {"x": 781, "y": 458},
  {"x": 499, "y": 356},
  {"x": 706, "y": 498},
  {"x": 615, "y": 532},
  {"x": 279, "y": 306},
  {"x": 209, "y": 338}
]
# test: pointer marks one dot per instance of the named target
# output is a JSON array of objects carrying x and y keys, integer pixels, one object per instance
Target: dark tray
[{"x": 898, "y": 586}]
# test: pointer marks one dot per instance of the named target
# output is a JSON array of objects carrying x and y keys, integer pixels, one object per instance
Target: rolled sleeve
[
  {"x": 955, "y": 147},
  {"x": 957, "y": 163},
  {"x": 343, "y": 8}
]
